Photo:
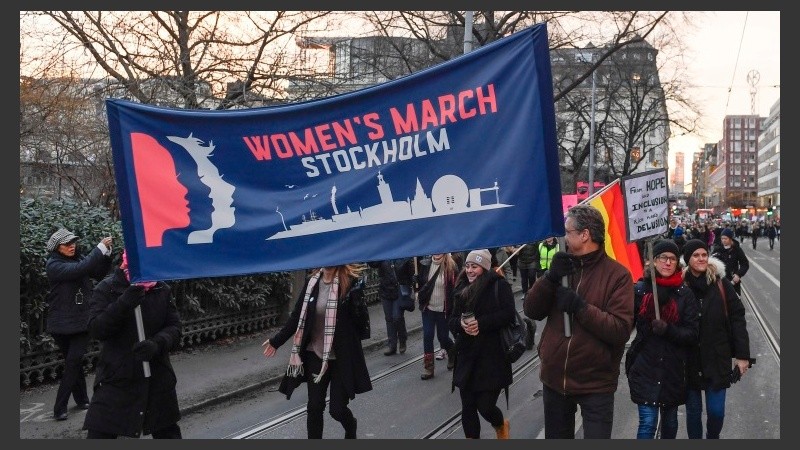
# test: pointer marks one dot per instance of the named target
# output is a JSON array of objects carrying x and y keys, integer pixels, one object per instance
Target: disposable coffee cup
[{"x": 467, "y": 316}]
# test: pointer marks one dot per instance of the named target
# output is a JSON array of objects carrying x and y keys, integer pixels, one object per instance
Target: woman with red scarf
[{"x": 656, "y": 360}]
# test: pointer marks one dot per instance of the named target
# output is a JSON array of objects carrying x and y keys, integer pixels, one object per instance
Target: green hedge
[{"x": 194, "y": 298}]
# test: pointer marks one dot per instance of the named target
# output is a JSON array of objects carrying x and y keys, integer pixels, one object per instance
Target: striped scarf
[{"x": 295, "y": 368}]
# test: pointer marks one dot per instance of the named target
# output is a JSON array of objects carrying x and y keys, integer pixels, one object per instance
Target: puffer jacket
[
  {"x": 71, "y": 288},
  {"x": 722, "y": 336},
  {"x": 658, "y": 366},
  {"x": 124, "y": 402},
  {"x": 588, "y": 362}
]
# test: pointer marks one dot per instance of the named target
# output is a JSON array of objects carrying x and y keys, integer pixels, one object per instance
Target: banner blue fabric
[{"x": 459, "y": 156}]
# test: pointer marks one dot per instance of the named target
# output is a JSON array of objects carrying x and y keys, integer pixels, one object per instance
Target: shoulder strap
[
  {"x": 724, "y": 297},
  {"x": 497, "y": 297}
]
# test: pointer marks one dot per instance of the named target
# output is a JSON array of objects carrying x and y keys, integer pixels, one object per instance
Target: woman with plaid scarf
[{"x": 326, "y": 327}]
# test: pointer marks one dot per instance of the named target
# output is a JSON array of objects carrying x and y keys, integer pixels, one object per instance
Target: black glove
[
  {"x": 145, "y": 350},
  {"x": 568, "y": 300},
  {"x": 659, "y": 327},
  {"x": 562, "y": 265},
  {"x": 132, "y": 297}
]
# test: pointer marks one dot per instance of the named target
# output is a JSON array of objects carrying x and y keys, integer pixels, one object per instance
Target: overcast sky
[{"x": 723, "y": 37}]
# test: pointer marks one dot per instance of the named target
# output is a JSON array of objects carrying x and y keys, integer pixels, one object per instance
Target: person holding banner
[
  {"x": 326, "y": 346},
  {"x": 483, "y": 306},
  {"x": 655, "y": 362},
  {"x": 127, "y": 402},
  {"x": 581, "y": 368},
  {"x": 394, "y": 274}
]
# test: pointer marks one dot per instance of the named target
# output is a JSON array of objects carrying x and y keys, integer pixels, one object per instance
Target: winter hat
[
  {"x": 678, "y": 232},
  {"x": 62, "y": 236},
  {"x": 691, "y": 247},
  {"x": 728, "y": 232},
  {"x": 480, "y": 257},
  {"x": 665, "y": 246}
]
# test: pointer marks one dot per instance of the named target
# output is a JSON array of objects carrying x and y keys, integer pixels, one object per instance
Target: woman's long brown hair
[{"x": 346, "y": 273}]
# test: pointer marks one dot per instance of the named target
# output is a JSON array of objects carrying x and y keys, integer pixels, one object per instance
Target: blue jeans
[
  {"x": 435, "y": 322},
  {"x": 395, "y": 321},
  {"x": 715, "y": 412},
  {"x": 648, "y": 422}
]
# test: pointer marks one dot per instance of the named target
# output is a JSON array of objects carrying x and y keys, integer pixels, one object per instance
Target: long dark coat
[
  {"x": 733, "y": 258},
  {"x": 721, "y": 338},
  {"x": 481, "y": 364},
  {"x": 350, "y": 361},
  {"x": 124, "y": 401},
  {"x": 71, "y": 277},
  {"x": 657, "y": 375}
]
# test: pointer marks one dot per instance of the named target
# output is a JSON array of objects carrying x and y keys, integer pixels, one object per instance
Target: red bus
[{"x": 582, "y": 189}]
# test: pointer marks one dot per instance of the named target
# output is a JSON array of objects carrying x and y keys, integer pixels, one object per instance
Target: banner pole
[
  {"x": 140, "y": 330},
  {"x": 562, "y": 245}
]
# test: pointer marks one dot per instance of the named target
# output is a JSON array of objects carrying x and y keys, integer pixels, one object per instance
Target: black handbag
[{"x": 406, "y": 298}]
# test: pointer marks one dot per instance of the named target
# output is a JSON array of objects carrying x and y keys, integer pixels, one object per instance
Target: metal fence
[{"x": 46, "y": 365}]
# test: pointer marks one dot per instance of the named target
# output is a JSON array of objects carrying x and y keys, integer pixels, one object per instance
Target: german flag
[{"x": 611, "y": 204}]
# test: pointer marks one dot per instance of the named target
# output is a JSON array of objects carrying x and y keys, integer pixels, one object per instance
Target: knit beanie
[
  {"x": 691, "y": 247},
  {"x": 728, "y": 232},
  {"x": 665, "y": 246},
  {"x": 678, "y": 232},
  {"x": 480, "y": 257}
]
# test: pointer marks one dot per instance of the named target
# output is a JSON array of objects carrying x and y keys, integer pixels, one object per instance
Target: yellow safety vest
[{"x": 546, "y": 256}]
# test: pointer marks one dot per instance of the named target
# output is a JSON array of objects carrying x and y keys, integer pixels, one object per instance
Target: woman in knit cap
[
  {"x": 723, "y": 338},
  {"x": 732, "y": 256},
  {"x": 656, "y": 360},
  {"x": 71, "y": 275},
  {"x": 483, "y": 306}
]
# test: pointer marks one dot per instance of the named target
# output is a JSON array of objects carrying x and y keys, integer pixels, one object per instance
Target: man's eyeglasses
[{"x": 667, "y": 259}]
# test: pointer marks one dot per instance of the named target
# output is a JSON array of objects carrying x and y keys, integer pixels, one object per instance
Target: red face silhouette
[{"x": 162, "y": 196}]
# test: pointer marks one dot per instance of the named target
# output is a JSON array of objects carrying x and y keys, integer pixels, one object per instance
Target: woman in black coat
[
  {"x": 125, "y": 403},
  {"x": 723, "y": 340},
  {"x": 481, "y": 370},
  {"x": 326, "y": 325},
  {"x": 70, "y": 276},
  {"x": 657, "y": 358}
]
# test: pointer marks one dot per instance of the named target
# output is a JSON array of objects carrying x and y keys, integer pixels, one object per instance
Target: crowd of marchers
[{"x": 690, "y": 341}]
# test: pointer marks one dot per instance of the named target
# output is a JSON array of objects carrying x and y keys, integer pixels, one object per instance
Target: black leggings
[
  {"x": 483, "y": 402},
  {"x": 316, "y": 397}
]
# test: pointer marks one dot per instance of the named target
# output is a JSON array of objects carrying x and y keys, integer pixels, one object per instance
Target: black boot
[
  {"x": 390, "y": 351},
  {"x": 350, "y": 429}
]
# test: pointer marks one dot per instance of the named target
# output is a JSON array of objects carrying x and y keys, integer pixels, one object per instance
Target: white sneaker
[{"x": 441, "y": 354}]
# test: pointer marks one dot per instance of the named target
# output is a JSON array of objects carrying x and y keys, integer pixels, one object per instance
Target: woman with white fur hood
[{"x": 723, "y": 340}]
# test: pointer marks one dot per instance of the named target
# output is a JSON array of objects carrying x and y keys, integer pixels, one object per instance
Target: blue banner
[{"x": 459, "y": 156}]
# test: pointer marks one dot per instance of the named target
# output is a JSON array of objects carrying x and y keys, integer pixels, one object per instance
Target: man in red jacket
[{"x": 581, "y": 368}]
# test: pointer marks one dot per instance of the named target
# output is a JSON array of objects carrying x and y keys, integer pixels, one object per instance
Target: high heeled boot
[{"x": 428, "y": 366}]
